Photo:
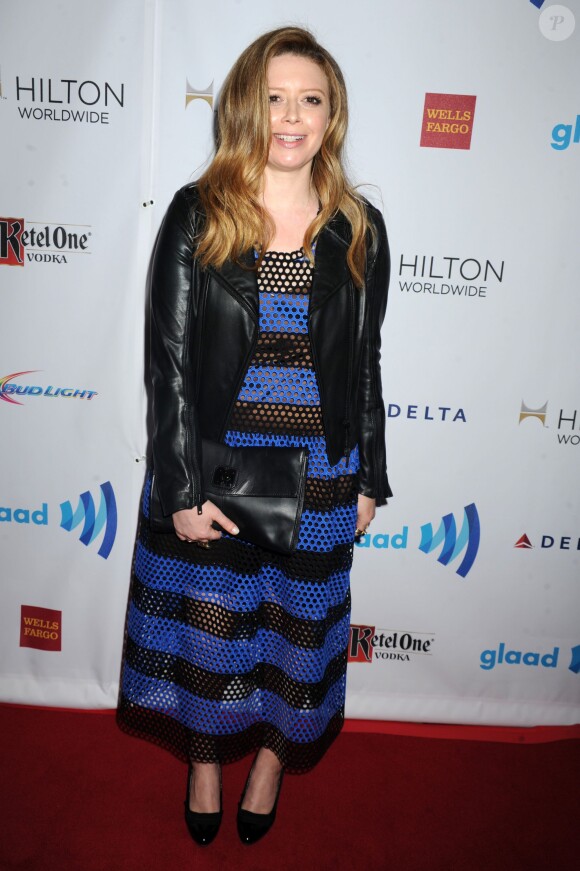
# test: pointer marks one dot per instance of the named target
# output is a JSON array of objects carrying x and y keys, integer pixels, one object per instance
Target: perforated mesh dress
[{"x": 235, "y": 647}]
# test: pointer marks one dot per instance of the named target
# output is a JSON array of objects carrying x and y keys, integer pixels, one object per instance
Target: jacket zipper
[
  {"x": 347, "y": 448},
  {"x": 190, "y": 430}
]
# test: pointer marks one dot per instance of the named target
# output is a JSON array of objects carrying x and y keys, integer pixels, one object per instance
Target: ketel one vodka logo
[
  {"x": 368, "y": 643},
  {"x": 23, "y": 242}
]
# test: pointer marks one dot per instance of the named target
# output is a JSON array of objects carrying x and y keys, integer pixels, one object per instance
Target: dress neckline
[{"x": 296, "y": 254}]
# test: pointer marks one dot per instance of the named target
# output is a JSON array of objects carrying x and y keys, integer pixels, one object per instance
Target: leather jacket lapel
[
  {"x": 240, "y": 281},
  {"x": 330, "y": 267}
]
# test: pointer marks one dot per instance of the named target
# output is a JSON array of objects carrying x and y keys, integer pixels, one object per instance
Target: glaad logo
[
  {"x": 539, "y": 413},
  {"x": 192, "y": 94},
  {"x": 40, "y": 243},
  {"x": 490, "y": 658},
  {"x": 398, "y": 541},
  {"x": 562, "y": 135},
  {"x": 9, "y": 390},
  {"x": 453, "y": 544},
  {"x": 40, "y": 628},
  {"x": 366, "y": 644},
  {"x": 93, "y": 521},
  {"x": 447, "y": 121},
  {"x": 25, "y": 515},
  {"x": 457, "y": 276}
]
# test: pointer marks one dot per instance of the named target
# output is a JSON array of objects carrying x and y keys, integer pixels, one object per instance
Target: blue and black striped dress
[{"x": 234, "y": 647}]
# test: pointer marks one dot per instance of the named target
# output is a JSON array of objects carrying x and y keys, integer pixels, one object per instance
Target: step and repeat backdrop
[{"x": 465, "y": 131}]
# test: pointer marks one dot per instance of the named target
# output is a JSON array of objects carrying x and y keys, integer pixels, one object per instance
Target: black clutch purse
[{"x": 261, "y": 489}]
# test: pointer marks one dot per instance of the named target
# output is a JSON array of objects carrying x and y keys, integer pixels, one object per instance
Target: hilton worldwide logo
[
  {"x": 449, "y": 276},
  {"x": 192, "y": 94},
  {"x": 76, "y": 100},
  {"x": 568, "y": 422}
]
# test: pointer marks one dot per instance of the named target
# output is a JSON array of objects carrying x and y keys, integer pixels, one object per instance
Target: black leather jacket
[{"x": 204, "y": 326}]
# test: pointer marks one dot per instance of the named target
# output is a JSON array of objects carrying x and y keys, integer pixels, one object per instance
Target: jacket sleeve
[
  {"x": 175, "y": 442},
  {"x": 373, "y": 480}
]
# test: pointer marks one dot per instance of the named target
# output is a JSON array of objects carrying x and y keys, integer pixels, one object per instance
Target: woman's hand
[
  {"x": 191, "y": 526},
  {"x": 366, "y": 512}
]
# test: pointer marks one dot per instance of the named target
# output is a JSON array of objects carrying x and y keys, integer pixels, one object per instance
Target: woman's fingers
[
  {"x": 366, "y": 509},
  {"x": 191, "y": 526},
  {"x": 224, "y": 522}
]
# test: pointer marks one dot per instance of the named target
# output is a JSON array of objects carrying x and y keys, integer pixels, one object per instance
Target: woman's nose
[{"x": 292, "y": 111}]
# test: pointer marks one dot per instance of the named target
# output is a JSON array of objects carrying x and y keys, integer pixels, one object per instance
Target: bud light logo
[
  {"x": 93, "y": 521},
  {"x": 9, "y": 390},
  {"x": 452, "y": 543}
]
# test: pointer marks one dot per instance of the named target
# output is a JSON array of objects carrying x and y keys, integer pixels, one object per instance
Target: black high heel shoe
[
  {"x": 251, "y": 826},
  {"x": 202, "y": 827}
]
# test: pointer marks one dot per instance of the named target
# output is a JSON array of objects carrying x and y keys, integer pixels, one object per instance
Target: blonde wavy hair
[{"x": 230, "y": 189}]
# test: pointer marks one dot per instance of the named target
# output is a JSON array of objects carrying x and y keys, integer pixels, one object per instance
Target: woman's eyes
[{"x": 311, "y": 99}]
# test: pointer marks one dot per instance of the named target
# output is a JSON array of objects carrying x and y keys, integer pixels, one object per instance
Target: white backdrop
[{"x": 105, "y": 110}]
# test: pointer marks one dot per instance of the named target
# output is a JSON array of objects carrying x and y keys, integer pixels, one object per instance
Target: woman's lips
[{"x": 287, "y": 140}]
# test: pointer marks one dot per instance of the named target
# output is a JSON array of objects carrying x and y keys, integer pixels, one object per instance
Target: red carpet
[{"x": 80, "y": 795}]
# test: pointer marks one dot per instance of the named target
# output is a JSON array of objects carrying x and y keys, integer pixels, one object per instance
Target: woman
[{"x": 269, "y": 288}]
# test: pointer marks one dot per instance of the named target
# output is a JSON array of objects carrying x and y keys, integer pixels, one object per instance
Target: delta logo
[
  {"x": 10, "y": 390},
  {"x": 368, "y": 644},
  {"x": 562, "y": 542},
  {"x": 23, "y": 241},
  {"x": 447, "y": 121},
  {"x": 504, "y": 655},
  {"x": 93, "y": 520},
  {"x": 40, "y": 628},
  {"x": 452, "y": 540},
  {"x": 441, "y": 413}
]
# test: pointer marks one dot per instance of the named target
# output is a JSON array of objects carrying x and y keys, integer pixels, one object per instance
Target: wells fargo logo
[
  {"x": 447, "y": 121},
  {"x": 40, "y": 628}
]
